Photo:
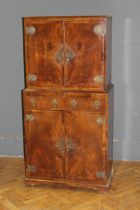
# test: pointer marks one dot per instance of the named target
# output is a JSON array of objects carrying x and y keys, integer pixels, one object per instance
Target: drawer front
[
  {"x": 86, "y": 102},
  {"x": 43, "y": 101},
  {"x": 65, "y": 101}
]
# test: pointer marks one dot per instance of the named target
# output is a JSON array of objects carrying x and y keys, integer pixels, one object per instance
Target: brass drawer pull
[
  {"x": 97, "y": 104},
  {"x": 73, "y": 103},
  {"x": 33, "y": 101},
  {"x": 30, "y": 117},
  {"x": 54, "y": 103}
]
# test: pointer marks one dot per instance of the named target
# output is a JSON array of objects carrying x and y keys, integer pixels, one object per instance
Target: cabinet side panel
[
  {"x": 110, "y": 128},
  {"x": 108, "y": 50}
]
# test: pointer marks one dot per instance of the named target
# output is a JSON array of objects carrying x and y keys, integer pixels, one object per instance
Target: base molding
[{"x": 100, "y": 188}]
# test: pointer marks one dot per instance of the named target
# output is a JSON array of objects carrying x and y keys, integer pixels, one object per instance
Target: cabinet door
[
  {"x": 42, "y": 40},
  {"x": 86, "y": 50},
  {"x": 44, "y": 144},
  {"x": 85, "y": 140}
]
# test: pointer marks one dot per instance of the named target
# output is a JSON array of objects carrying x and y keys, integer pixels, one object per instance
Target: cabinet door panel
[
  {"x": 86, "y": 68},
  {"x": 44, "y": 150},
  {"x": 42, "y": 68},
  {"x": 86, "y": 146}
]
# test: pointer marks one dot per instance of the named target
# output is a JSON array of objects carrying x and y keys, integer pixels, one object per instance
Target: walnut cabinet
[{"x": 68, "y": 101}]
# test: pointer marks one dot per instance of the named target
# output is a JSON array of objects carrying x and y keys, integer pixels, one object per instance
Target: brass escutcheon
[
  {"x": 64, "y": 55},
  {"x": 60, "y": 145},
  {"x": 70, "y": 146},
  {"x": 60, "y": 56},
  {"x": 69, "y": 55}
]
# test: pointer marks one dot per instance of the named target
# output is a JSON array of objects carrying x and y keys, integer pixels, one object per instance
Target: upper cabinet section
[{"x": 68, "y": 52}]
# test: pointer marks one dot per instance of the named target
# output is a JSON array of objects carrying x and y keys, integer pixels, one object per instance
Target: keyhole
[{"x": 49, "y": 46}]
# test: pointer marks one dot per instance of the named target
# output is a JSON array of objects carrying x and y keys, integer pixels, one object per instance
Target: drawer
[
  {"x": 79, "y": 101},
  {"x": 38, "y": 100},
  {"x": 85, "y": 101}
]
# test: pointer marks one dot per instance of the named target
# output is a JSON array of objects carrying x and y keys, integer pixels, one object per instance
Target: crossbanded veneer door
[
  {"x": 44, "y": 144},
  {"x": 86, "y": 40},
  {"x": 86, "y": 146},
  {"x": 42, "y": 40}
]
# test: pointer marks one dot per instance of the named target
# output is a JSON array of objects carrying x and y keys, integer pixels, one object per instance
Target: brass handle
[
  {"x": 97, "y": 104},
  {"x": 33, "y": 101},
  {"x": 70, "y": 146},
  {"x": 60, "y": 145},
  {"x": 54, "y": 103},
  {"x": 73, "y": 103},
  {"x": 30, "y": 117}
]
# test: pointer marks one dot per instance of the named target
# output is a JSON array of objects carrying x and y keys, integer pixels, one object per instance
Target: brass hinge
[
  {"x": 31, "y": 168},
  {"x": 98, "y": 79},
  {"x": 30, "y": 30},
  {"x": 30, "y": 117},
  {"x": 100, "y": 120},
  {"x": 99, "y": 30},
  {"x": 32, "y": 77},
  {"x": 100, "y": 174}
]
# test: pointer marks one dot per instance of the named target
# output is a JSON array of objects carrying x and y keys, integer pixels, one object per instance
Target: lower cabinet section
[
  {"x": 44, "y": 149},
  {"x": 69, "y": 146}
]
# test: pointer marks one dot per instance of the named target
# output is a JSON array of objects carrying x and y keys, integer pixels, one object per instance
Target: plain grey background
[{"x": 125, "y": 67}]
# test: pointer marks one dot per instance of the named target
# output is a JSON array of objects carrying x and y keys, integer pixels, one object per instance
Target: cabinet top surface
[{"x": 66, "y": 17}]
